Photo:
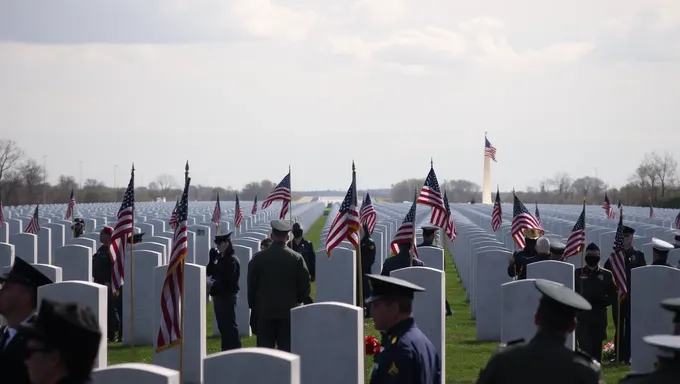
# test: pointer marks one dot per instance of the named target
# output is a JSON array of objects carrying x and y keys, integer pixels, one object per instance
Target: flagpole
[
  {"x": 181, "y": 297},
  {"x": 358, "y": 248},
  {"x": 132, "y": 277},
  {"x": 431, "y": 210},
  {"x": 415, "y": 198},
  {"x": 618, "y": 312},
  {"x": 583, "y": 248},
  {"x": 290, "y": 207}
]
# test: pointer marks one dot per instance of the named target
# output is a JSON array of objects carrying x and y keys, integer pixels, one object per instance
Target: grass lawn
[{"x": 464, "y": 355}]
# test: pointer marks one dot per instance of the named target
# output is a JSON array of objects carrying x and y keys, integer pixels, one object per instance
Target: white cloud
[{"x": 382, "y": 11}]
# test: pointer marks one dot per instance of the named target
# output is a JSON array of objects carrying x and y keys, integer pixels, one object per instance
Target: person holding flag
[{"x": 429, "y": 236}]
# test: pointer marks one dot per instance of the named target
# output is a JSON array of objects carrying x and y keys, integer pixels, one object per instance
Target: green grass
[{"x": 464, "y": 355}]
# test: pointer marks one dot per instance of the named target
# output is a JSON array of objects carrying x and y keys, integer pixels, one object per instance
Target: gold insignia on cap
[
  {"x": 393, "y": 371},
  {"x": 394, "y": 340}
]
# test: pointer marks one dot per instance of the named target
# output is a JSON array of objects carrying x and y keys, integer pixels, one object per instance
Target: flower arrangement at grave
[
  {"x": 372, "y": 346},
  {"x": 608, "y": 352}
]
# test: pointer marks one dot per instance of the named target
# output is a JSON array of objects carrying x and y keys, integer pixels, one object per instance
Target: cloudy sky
[{"x": 242, "y": 88}]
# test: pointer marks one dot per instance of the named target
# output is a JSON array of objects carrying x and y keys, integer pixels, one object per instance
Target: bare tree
[
  {"x": 10, "y": 155},
  {"x": 561, "y": 182},
  {"x": 165, "y": 183},
  {"x": 33, "y": 175},
  {"x": 663, "y": 168}
]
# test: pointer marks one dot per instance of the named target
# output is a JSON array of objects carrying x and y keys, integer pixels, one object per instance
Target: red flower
[{"x": 372, "y": 345}]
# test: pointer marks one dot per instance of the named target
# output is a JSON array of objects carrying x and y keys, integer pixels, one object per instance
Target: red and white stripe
[
  {"x": 121, "y": 233},
  {"x": 170, "y": 332}
]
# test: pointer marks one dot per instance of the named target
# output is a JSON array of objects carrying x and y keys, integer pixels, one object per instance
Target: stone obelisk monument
[{"x": 486, "y": 186}]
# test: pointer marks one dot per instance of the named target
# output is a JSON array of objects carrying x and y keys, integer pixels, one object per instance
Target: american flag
[
  {"x": 346, "y": 224},
  {"x": 619, "y": 206},
  {"x": 618, "y": 261},
  {"x": 367, "y": 215},
  {"x": 33, "y": 225},
  {"x": 71, "y": 206},
  {"x": 431, "y": 195},
  {"x": 521, "y": 220},
  {"x": 281, "y": 192},
  {"x": 173, "y": 217},
  {"x": 577, "y": 238},
  {"x": 406, "y": 232},
  {"x": 607, "y": 206},
  {"x": 538, "y": 215},
  {"x": 2, "y": 214},
  {"x": 651, "y": 210},
  {"x": 450, "y": 225},
  {"x": 489, "y": 150},
  {"x": 497, "y": 214},
  {"x": 217, "y": 212},
  {"x": 677, "y": 218},
  {"x": 254, "y": 210},
  {"x": 172, "y": 295},
  {"x": 238, "y": 213},
  {"x": 121, "y": 232}
]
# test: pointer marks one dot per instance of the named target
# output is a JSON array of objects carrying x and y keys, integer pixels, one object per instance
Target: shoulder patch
[
  {"x": 372, "y": 247},
  {"x": 393, "y": 370}
]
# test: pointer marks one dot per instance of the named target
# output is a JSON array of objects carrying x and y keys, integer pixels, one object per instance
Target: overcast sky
[{"x": 242, "y": 88}]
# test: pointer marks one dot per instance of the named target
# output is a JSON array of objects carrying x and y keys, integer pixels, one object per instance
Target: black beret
[
  {"x": 628, "y": 230},
  {"x": 219, "y": 239},
  {"x": 592, "y": 247}
]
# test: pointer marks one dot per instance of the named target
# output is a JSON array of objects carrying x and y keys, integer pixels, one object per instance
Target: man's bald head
[{"x": 543, "y": 245}]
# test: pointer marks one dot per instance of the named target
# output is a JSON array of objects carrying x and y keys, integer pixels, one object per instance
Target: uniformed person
[
  {"x": 545, "y": 359},
  {"x": 557, "y": 250},
  {"x": 597, "y": 286},
  {"x": 518, "y": 261},
  {"x": 633, "y": 258},
  {"x": 305, "y": 248},
  {"x": 429, "y": 236},
  {"x": 402, "y": 259},
  {"x": 102, "y": 273},
  {"x": 18, "y": 302},
  {"x": 408, "y": 356},
  {"x": 668, "y": 362},
  {"x": 78, "y": 227},
  {"x": 278, "y": 280},
  {"x": 264, "y": 244},
  {"x": 367, "y": 259},
  {"x": 223, "y": 272},
  {"x": 660, "y": 251},
  {"x": 62, "y": 344},
  {"x": 673, "y": 305}
]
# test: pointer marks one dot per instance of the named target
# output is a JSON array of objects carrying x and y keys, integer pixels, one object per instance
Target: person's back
[{"x": 401, "y": 260}]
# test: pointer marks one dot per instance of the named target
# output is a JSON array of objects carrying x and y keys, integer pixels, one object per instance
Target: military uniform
[
  {"x": 78, "y": 227},
  {"x": 12, "y": 342},
  {"x": 544, "y": 359},
  {"x": 523, "y": 257},
  {"x": 668, "y": 368},
  {"x": 102, "y": 270},
  {"x": 56, "y": 327},
  {"x": 597, "y": 286},
  {"x": 367, "y": 260},
  {"x": 223, "y": 272},
  {"x": 673, "y": 305},
  {"x": 399, "y": 261},
  {"x": 633, "y": 258},
  {"x": 278, "y": 280},
  {"x": 407, "y": 356},
  {"x": 305, "y": 248},
  {"x": 429, "y": 234}
]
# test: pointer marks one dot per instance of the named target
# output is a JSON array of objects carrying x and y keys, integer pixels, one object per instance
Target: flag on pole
[
  {"x": 121, "y": 233},
  {"x": 607, "y": 206},
  {"x": 254, "y": 210},
  {"x": 33, "y": 225},
  {"x": 497, "y": 214},
  {"x": 70, "y": 208},
  {"x": 450, "y": 224},
  {"x": 281, "y": 192},
  {"x": 522, "y": 220},
  {"x": 367, "y": 215},
  {"x": 618, "y": 261},
  {"x": 170, "y": 330},
  {"x": 538, "y": 215},
  {"x": 217, "y": 212},
  {"x": 489, "y": 150},
  {"x": 238, "y": 214},
  {"x": 431, "y": 195},
  {"x": 651, "y": 209},
  {"x": 577, "y": 238},
  {"x": 346, "y": 224},
  {"x": 173, "y": 216},
  {"x": 2, "y": 214},
  {"x": 405, "y": 232}
]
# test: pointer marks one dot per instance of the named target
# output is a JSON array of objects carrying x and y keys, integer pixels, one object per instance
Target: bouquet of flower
[
  {"x": 608, "y": 352},
  {"x": 372, "y": 345}
]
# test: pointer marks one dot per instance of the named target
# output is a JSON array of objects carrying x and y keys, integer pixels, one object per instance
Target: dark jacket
[
  {"x": 634, "y": 258},
  {"x": 544, "y": 359},
  {"x": 278, "y": 280},
  {"x": 596, "y": 286},
  {"x": 226, "y": 271},
  {"x": 667, "y": 372},
  {"x": 102, "y": 266},
  {"x": 12, "y": 367},
  {"x": 306, "y": 249},
  {"x": 399, "y": 261},
  {"x": 367, "y": 254},
  {"x": 522, "y": 259},
  {"x": 408, "y": 357}
]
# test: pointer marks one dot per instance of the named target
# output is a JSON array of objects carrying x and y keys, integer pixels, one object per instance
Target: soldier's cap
[
  {"x": 58, "y": 325},
  {"x": 219, "y": 239},
  {"x": 297, "y": 227},
  {"x": 532, "y": 234},
  {"x": 281, "y": 225},
  {"x": 136, "y": 238},
  {"x": 429, "y": 229},
  {"x": 388, "y": 286},
  {"x": 25, "y": 274},
  {"x": 664, "y": 342},
  {"x": 560, "y": 298},
  {"x": 78, "y": 221},
  {"x": 661, "y": 246},
  {"x": 592, "y": 247},
  {"x": 628, "y": 230},
  {"x": 557, "y": 247},
  {"x": 672, "y": 305}
]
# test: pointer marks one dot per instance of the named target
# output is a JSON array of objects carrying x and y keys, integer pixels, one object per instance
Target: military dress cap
[
  {"x": 532, "y": 234},
  {"x": 559, "y": 296},
  {"x": 661, "y": 246},
  {"x": 628, "y": 230},
  {"x": 297, "y": 226},
  {"x": 281, "y": 225},
  {"x": 25, "y": 274},
  {"x": 429, "y": 229},
  {"x": 388, "y": 286},
  {"x": 219, "y": 239},
  {"x": 672, "y": 305},
  {"x": 557, "y": 247},
  {"x": 78, "y": 221},
  {"x": 67, "y": 327},
  {"x": 665, "y": 342}
]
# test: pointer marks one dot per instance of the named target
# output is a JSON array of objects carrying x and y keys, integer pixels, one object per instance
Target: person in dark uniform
[
  {"x": 545, "y": 359},
  {"x": 223, "y": 272},
  {"x": 102, "y": 273},
  {"x": 18, "y": 302},
  {"x": 264, "y": 244},
  {"x": 660, "y": 251},
  {"x": 401, "y": 260},
  {"x": 597, "y": 286},
  {"x": 668, "y": 362},
  {"x": 518, "y": 261},
  {"x": 408, "y": 357},
  {"x": 278, "y": 280},
  {"x": 673, "y": 305},
  {"x": 62, "y": 344},
  {"x": 367, "y": 260},
  {"x": 633, "y": 258},
  {"x": 78, "y": 227},
  {"x": 429, "y": 236},
  {"x": 557, "y": 250},
  {"x": 304, "y": 247}
]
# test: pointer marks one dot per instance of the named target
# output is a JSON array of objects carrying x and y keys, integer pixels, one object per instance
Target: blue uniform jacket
[
  {"x": 399, "y": 261},
  {"x": 407, "y": 357}
]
